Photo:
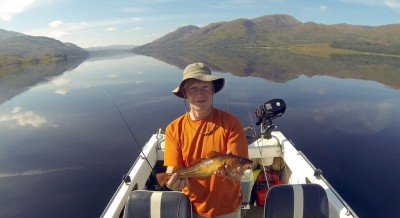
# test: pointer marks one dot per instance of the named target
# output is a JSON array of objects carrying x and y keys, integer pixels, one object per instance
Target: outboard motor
[{"x": 267, "y": 112}]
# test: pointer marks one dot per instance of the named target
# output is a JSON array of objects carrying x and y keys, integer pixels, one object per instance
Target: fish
[{"x": 205, "y": 167}]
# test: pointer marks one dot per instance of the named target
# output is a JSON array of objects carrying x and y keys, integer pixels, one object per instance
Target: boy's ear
[{"x": 183, "y": 92}]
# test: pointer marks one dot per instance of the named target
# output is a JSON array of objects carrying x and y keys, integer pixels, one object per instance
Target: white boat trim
[{"x": 298, "y": 170}]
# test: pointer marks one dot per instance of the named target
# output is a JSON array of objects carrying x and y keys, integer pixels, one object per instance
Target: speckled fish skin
[{"x": 207, "y": 167}]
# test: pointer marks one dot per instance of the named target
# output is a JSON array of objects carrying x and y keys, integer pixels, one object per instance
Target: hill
[
  {"x": 39, "y": 46},
  {"x": 278, "y": 30},
  {"x": 4, "y": 34}
]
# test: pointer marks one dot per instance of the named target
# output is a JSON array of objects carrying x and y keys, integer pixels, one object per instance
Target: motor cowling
[{"x": 270, "y": 110}]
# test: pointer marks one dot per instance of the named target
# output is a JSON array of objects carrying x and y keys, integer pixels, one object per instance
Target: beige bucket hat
[{"x": 201, "y": 72}]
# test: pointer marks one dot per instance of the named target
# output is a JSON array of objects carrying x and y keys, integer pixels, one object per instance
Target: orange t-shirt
[{"x": 184, "y": 142}]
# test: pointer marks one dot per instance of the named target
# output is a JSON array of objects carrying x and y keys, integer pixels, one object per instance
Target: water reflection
[
  {"x": 22, "y": 118},
  {"x": 60, "y": 83},
  {"x": 360, "y": 119},
  {"x": 36, "y": 172},
  {"x": 16, "y": 82},
  {"x": 285, "y": 65},
  {"x": 63, "y": 142}
]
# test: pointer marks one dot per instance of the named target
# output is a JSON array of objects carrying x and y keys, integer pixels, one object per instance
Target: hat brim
[{"x": 217, "y": 81}]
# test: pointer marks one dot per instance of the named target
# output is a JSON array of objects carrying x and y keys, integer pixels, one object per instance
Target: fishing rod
[
  {"x": 254, "y": 131},
  {"x": 249, "y": 112},
  {"x": 265, "y": 113},
  {"x": 129, "y": 128},
  {"x": 227, "y": 96}
]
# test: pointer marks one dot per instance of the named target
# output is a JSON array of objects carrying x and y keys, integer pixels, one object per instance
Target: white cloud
[
  {"x": 55, "y": 34},
  {"x": 85, "y": 25},
  {"x": 110, "y": 29},
  {"x": 10, "y": 7},
  {"x": 136, "y": 19},
  {"x": 134, "y": 10},
  {"x": 67, "y": 28},
  {"x": 5, "y": 17},
  {"x": 323, "y": 8},
  {"x": 56, "y": 23},
  {"x": 392, "y": 4}
]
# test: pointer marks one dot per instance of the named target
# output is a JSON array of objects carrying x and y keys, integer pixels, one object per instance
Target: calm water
[{"x": 64, "y": 147}]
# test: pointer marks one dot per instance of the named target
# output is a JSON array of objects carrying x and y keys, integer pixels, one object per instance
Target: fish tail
[{"x": 163, "y": 178}]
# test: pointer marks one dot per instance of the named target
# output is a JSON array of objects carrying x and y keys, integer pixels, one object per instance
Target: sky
[{"x": 93, "y": 23}]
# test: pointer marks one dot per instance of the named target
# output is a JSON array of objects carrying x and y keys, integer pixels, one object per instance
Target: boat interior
[{"x": 281, "y": 183}]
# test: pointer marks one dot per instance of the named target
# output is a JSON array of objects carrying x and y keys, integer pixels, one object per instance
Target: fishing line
[
  {"x": 248, "y": 111},
  {"x": 129, "y": 128},
  {"x": 227, "y": 96},
  {"x": 255, "y": 134}
]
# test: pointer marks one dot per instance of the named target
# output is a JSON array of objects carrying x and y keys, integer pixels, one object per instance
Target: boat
[{"x": 281, "y": 181}]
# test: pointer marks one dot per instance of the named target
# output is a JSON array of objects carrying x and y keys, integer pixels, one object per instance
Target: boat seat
[
  {"x": 157, "y": 204},
  {"x": 299, "y": 200}
]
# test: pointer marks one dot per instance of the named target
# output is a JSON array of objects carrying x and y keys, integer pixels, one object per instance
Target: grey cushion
[
  {"x": 164, "y": 204},
  {"x": 300, "y": 200}
]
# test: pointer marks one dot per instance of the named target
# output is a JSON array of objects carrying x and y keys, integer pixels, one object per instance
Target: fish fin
[
  {"x": 163, "y": 178},
  {"x": 220, "y": 168},
  {"x": 175, "y": 169},
  {"x": 198, "y": 160},
  {"x": 213, "y": 154}
]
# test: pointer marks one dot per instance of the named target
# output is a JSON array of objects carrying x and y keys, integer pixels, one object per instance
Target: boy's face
[{"x": 198, "y": 93}]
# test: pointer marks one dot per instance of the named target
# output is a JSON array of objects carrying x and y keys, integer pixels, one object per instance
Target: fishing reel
[{"x": 267, "y": 112}]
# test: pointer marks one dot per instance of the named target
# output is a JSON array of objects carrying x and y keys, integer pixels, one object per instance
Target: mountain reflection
[
  {"x": 281, "y": 66},
  {"x": 16, "y": 82}
]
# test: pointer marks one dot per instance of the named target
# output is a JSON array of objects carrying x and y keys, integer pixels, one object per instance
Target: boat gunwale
[{"x": 156, "y": 144}]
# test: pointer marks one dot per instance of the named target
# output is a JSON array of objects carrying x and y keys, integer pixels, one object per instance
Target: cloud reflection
[
  {"x": 60, "y": 81},
  {"x": 113, "y": 75},
  {"x": 139, "y": 81},
  {"x": 61, "y": 91},
  {"x": 358, "y": 117},
  {"x": 22, "y": 118},
  {"x": 37, "y": 172}
]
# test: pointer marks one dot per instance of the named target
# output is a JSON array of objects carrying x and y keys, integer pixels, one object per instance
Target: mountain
[
  {"x": 40, "y": 46},
  {"x": 4, "y": 34},
  {"x": 175, "y": 35},
  {"x": 108, "y": 51},
  {"x": 280, "y": 30}
]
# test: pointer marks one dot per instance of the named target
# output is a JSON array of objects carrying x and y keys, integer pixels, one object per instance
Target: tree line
[
  {"x": 365, "y": 46},
  {"x": 18, "y": 60}
]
